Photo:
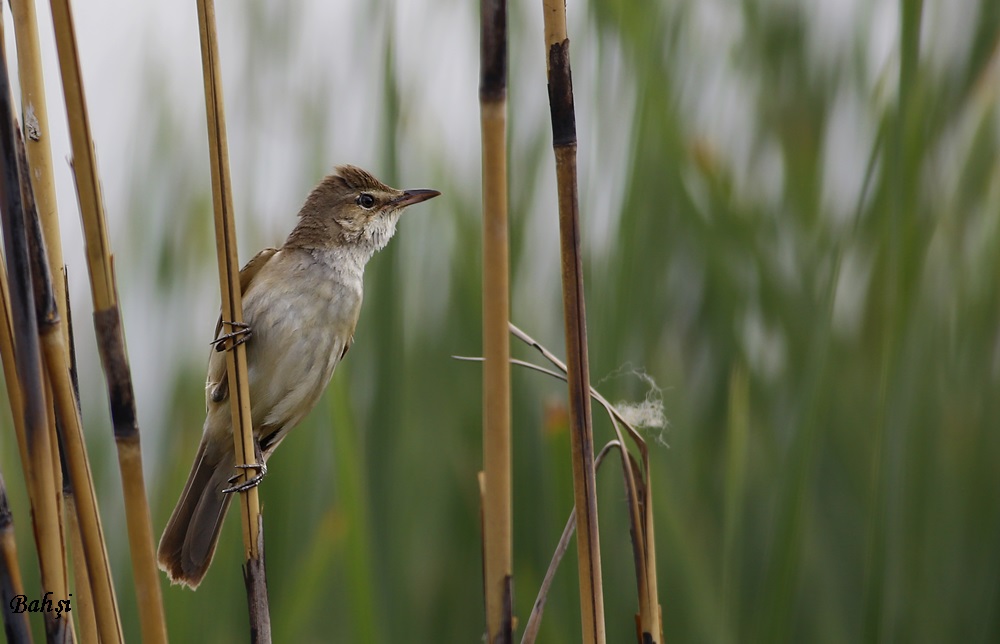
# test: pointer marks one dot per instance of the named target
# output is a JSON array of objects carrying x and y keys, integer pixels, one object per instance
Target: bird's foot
[
  {"x": 239, "y": 336},
  {"x": 252, "y": 482}
]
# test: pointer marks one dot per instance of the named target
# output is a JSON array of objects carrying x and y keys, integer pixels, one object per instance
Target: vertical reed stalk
[
  {"x": 68, "y": 420},
  {"x": 232, "y": 312},
  {"x": 35, "y": 122},
  {"x": 83, "y": 598},
  {"x": 575, "y": 318},
  {"x": 39, "y": 468},
  {"x": 35, "y": 118},
  {"x": 497, "y": 519},
  {"x": 110, "y": 336}
]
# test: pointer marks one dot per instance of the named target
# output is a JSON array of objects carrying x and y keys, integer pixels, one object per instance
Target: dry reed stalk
[
  {"x": 232, "y": 312},
  {"x": 10, "y": 580},
  {"x": 497, "y": 512},
  {"x": 575, "y": 319},
  {"x": 83, "y": 611},
  {"x": 15, "y": 625},
  {"x": 50, "y": 412},
  {"x": 108, "y": 328},
  {"x": 35, "y": 121},
  {"x": 39, "y": 467},
  {"x": 35, "y": 118},
  {"x": 68, "y": 421},
  {"x": 83, "y": 599}
]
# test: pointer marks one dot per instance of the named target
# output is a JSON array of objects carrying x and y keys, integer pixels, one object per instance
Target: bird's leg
[
  {"x": 253, "y": 481},
  {"x": 241, "y": 335}
]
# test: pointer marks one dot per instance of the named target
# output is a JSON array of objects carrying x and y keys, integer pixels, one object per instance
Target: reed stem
[
  {"x": 497, "y": 508},
  {"x": 232, "y": 311},
  {"x": 575, "y": 321}
]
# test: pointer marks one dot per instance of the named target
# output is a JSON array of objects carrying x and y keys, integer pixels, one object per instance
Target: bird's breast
[{"x": 302, "y": 315}]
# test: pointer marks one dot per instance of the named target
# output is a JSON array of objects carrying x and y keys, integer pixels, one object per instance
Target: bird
[{"x": 301, "y": 304}]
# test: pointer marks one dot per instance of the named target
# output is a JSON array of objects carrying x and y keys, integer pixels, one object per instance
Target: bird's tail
[{"x": 189, "y": 540}]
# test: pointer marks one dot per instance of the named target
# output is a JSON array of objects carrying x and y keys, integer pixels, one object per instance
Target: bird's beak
[{"x": 410, "y": 197}]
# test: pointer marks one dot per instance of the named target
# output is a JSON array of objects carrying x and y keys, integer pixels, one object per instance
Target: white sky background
[{"x": 132, "y": 52}]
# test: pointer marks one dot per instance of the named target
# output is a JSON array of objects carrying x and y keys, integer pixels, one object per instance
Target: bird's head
[{"x": 352, "y": 207}]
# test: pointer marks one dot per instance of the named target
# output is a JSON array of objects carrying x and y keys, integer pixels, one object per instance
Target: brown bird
[{"x": 300, "y": 303}]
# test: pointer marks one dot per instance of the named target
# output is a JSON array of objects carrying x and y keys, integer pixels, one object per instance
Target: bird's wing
[
  {"x": 247, "y": 273},
  {"x": 217, "y": 385}
]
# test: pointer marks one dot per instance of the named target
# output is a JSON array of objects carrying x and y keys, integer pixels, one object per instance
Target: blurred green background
[{"x": 791, "y": 216}]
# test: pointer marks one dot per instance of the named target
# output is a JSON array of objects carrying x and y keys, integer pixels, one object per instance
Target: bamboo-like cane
[
  {"x": 497, "y": 511},
  {"x": 575, "y": 318},
  {"x": 110, "y": 337},
  {"x": 15, "y": 624},
  {"x": 232, "y": 312},
  {"x": 39, "y": 467}
]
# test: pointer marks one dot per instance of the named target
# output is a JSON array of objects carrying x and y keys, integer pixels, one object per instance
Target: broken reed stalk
[
  {"x": 39, "y": 469},
  {"x": 497, "y": 506},
  {"x": 108, "y": 329},
  {"x": 638, "y": 493},
  {"x": 232, "y": 312},
  {"x": 575, "y": 320},
  {"x": 638, "y": 489},
  {"x": 15, "y": 625}
]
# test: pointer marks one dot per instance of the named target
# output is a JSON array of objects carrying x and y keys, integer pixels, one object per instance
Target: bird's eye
[{"x": 365, "y": 200}]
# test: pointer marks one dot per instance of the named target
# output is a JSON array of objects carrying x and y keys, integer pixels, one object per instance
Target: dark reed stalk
[
  {"x": 39, "y": 469},
  {"x": 575, "y": 320},
  {"x": 35, "y": 121}
]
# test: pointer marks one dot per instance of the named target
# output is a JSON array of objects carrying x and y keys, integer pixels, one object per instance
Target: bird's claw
[
  {"x": 252, "y": 482},
  {"x": 239, "y": 336}
]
